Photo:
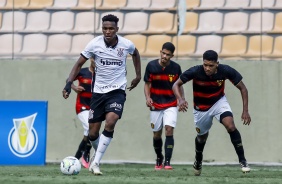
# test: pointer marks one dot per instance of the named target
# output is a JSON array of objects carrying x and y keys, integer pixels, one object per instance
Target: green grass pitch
[{"x": 142, "y": 173}]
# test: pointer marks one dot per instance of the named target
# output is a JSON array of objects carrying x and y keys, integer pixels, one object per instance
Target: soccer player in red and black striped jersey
[
  {"x": 159, "y": 77},
  {"x": 210, "y": 101},
  {"x": 85, "y": 80}
]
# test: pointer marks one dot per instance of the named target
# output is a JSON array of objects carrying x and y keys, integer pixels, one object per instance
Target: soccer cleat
[
  {"x": 159, "y": 163},
  {"x": 95, "y": 169},
  {"x": 91, "y": 161},
  {"x": 197, "y": 168},
  {"x": 85, "y": 160},
  {"x": 245, "y": 167},
  {"x": 167, "y": 165}
]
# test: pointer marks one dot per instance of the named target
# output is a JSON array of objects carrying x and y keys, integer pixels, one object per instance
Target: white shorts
[
  {"x": 83, "y": 117},
  {"x": 203, "y": 119},
  {"x": 163, "y": 117}
]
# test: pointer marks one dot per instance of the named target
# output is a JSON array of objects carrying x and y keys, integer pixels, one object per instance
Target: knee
[
  {"x": 157, "y": 135},
  {"x": 169, "y": 131},
  {"x": 93, "y": 134}
]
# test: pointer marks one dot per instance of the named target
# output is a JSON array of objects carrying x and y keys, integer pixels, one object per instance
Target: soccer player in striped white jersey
[{"x": 109, "y": 52}]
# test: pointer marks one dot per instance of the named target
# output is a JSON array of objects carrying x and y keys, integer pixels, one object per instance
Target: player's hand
[
  {"x": 67, "y": 90},
  {"x": 134, "y": 83},
  {"x": 182, "y": 105},
  {"x": 246, "y": 118},
  {"x": 149, "y": 102}
]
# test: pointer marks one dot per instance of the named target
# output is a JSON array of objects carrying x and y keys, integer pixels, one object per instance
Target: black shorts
[{"x": 101, "y": 104}]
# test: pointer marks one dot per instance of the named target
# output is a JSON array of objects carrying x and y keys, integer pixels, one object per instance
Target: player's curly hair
[
  {"x": 168, "y": 46},
  {"x": 210, "y": 55},
  {"x": 110, "y": 18}
]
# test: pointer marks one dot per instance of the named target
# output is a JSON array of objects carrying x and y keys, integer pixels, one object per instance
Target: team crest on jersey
[
  {"x": 198, "y": 130},
  {"x": 120, "y": 52},
  {"x": 170, "y": 77},
  {"x": 219, "y": 82}
]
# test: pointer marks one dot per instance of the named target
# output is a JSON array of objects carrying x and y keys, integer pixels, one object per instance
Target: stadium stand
[
  {"x": 79, "y": 42},
  {"x": 277, "y": 28},
  {"x": 2, "y": 3},
  {"x": 10, "y": 4},
  {"x": 235, "y": 4},
  {"x": 162, "y": 5},
  {"x": 210, "y": 5},
  {"x": 34, "y": 46},
  {"x": 233, "y": 46},
  {"x": 158, "y": 25},
  {"x": 63, "y": 4},
  {"x": 0, "y": 20},
  {"x": 258, "y": 4},
  {"x": 39, "y": 4},
  {"x": 260, "y": 22},
  {"x": 278, "y": 4},
  {"x": 277, "y": 48},
  {"x": 61, "y": 21},
  {"x": 255, "y": 47},
  {"x": 9, "y": 44},
  {"x": 86, "y": 22},
  {"x": 154, "y": 44},
  {"x": 132, "y": 26},
  {"x": 58, "y": 45},
  {"x": 209, "y": 21},
  {"x": 191, "y": 23},
  {"x": 137, "y": 5},
  {"x": 87, "y": 4},
  {"x": 234, "y": 22},
  {"x": 37, "y": 21},
  {"x": 207, "y": 42},
  {"x": 139, "y": 41},
  {"x": 112, "y": 5},
  {"x": 184, "y": 45},
  {"x": 191, "y": 4},
  {"x": 13, "y": 21}
]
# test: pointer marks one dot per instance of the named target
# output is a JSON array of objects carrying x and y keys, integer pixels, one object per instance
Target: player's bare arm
[
  {"x": 179, "y": 94},
  {"x": 246, "y": 118},
  {"x": 149, "y": 101},
  {"x": 75, "y": 70},
  {"x": 137, "y": 66}
]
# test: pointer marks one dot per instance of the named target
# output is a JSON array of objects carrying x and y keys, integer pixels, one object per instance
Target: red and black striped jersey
[
  {"x": 161, "y": 80},
  {"x": 85, "y": 79},
  {"x": 207, "y": 90}
]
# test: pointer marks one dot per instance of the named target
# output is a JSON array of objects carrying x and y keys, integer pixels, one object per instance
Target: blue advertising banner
[{"x": 23, "y": 126}]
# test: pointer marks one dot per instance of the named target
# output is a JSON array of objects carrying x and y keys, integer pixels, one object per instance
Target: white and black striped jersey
[{"x": 110, "y": 63}]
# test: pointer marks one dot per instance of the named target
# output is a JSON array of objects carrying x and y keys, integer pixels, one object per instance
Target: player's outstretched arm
[
  {"x": 75, "y": 70},
  {"x": 137, "y": 66},
  {"x": 246, "y": 118},
  {"x": 179, "y": 94}
]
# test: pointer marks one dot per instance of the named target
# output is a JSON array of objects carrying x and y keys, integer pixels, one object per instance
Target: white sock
[{"x": 102, "y": 146}]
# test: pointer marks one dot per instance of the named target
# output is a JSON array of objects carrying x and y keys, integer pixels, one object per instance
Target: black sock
[
  {"x": 237, "y": 143},
  {"x": 158, "y": 144},
  {"x": 88, "y": 146},
  {"x": 199, "y": 148},
  {"x": 169, "y": 144},
  {"x": 80, "y": 149}
]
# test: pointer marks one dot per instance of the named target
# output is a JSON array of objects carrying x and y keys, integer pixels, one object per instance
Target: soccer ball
[{"x": 70, "y": 166}]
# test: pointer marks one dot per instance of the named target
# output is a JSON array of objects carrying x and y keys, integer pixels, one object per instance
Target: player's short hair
[
  {"x": 169, "y": 46},
  {"x": 210, "y": 55},
  {"x": 110, "y": 18}
]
